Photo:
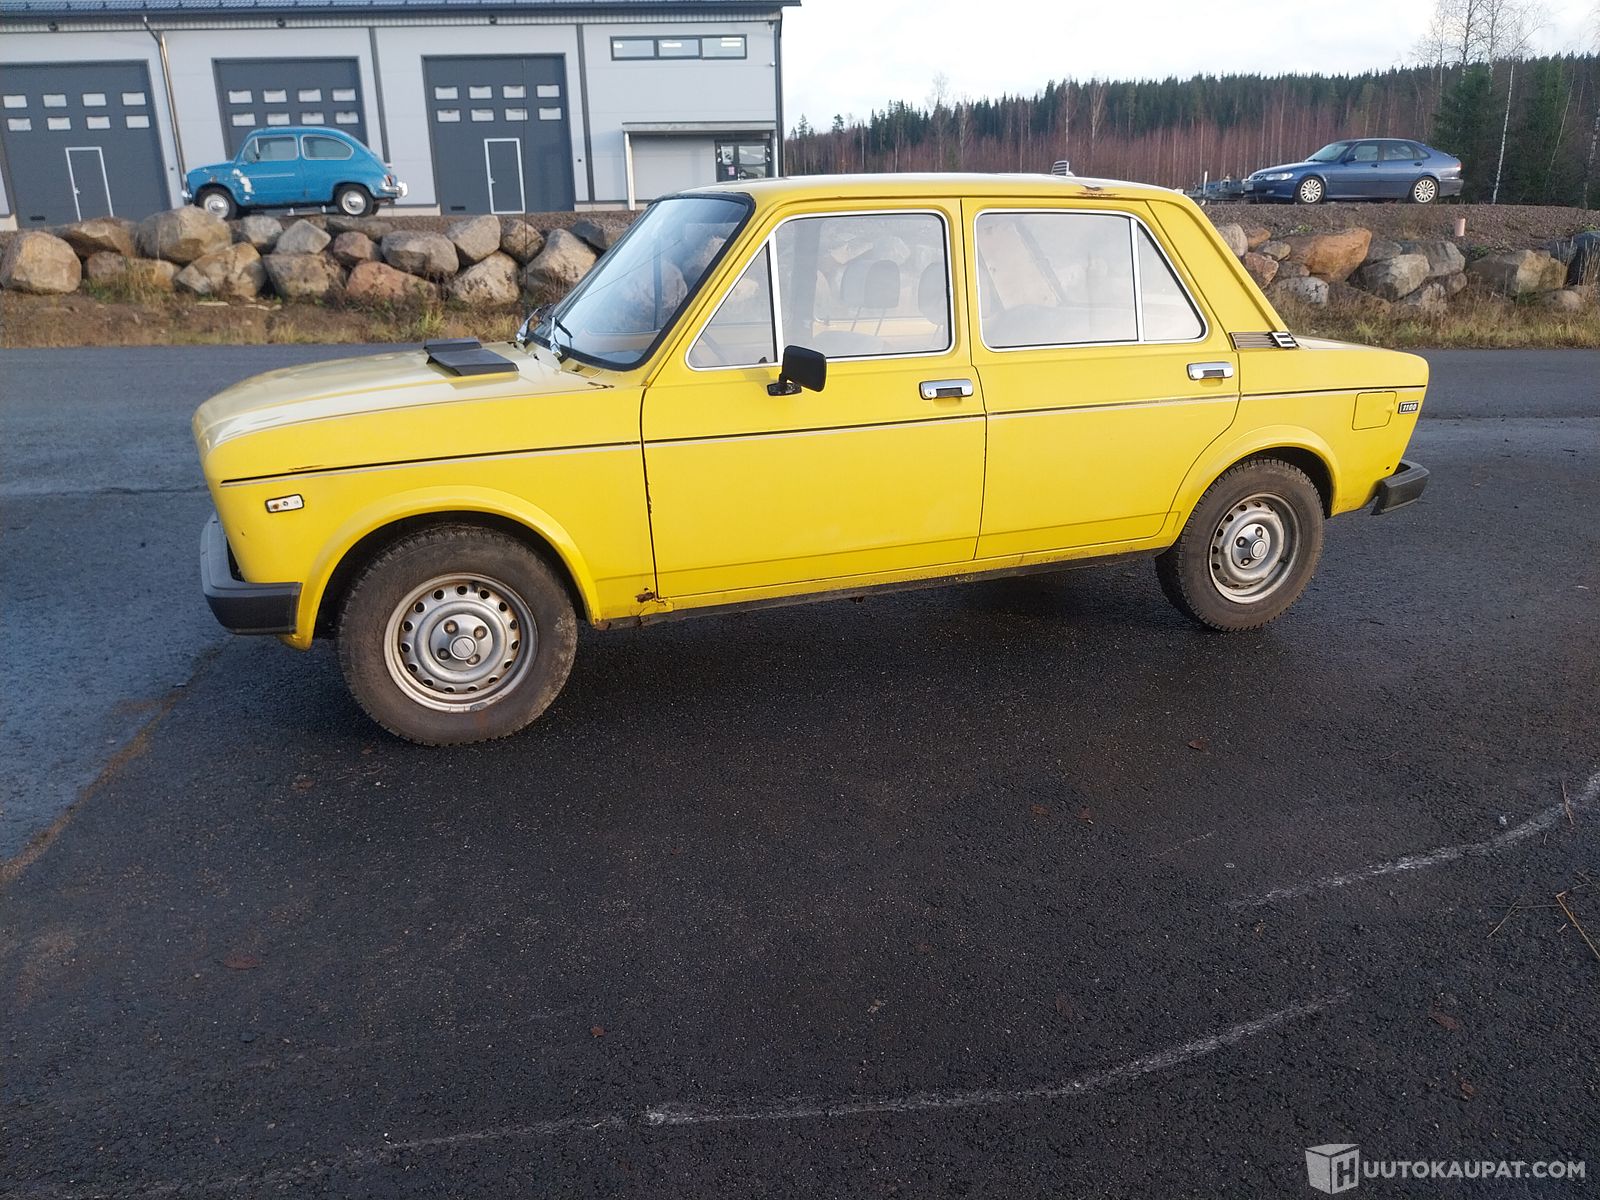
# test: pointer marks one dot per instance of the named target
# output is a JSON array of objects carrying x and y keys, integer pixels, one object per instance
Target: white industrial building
[{"x": 480, "y": 106}]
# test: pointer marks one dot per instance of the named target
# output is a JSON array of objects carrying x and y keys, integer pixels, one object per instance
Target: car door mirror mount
[{"x": 801, "y": 369}]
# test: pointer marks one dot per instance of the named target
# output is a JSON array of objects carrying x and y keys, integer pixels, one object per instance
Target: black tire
[
  {"x": 219, "y": 201},
  {"x": 1310, "y": 190},
  {"x": 1205, "y": 572},
  {"x": 1425, "y": 190},
  {"x": 445, "y": 700},
  {"x": 353, "y": 200}
]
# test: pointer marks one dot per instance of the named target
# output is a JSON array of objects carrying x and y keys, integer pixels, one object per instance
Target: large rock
[
  {"x": 135, "y": 275},
  {"x": 302, "y": 238},
  {"x": 1444, "y": 257},
  {"x": 1520, "y": 272},
  {"x": 475, "y": 237},
  {"x": 375, "y": 229},
  {"x": 303, "y": 276},
  {"x": 1430, "y": 297},
  {"x": 1567, "y": 300},
  {"x": 258, "y": 231},
  {"x": 182, "y": 235},
  {"x": 1331, "y": 255},
  {"x": 1288, "y": 269},
  {"x": 1585, "y": 265},
  {"x": 1454, "y": 283},
  {"x": 428, "y": 255},
  {"x": 1275, "y": 249},
  {"x": 1353, "y": 299},
  {"x": 490, "y": 282},
  {"x": 600, "y": 235},
  {"x": 232, "y": 274},
  {"x": 1307, "y": 290},
  {"x": 100, "y": 233},
  {"x": 375, "y": 283},
  {"x": 105, "y": 267},
  {"x": 1382, "y": 248},
  {"x": 519, "y": 239},
  {"x": 40, "y": 263},
  {"x": 1257, "y": 236},
  {"x": 1235, "y": 237},
  {"x": 564, "y": 260},
  {"x": 1262, "y": 269},
  {"x": 351, "y": 249},
  {"x": 1394, "y": 277}
]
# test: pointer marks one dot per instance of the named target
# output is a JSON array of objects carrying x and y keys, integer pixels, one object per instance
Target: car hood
[
  {"x": 354, "y": 411},
  {"x": 1294, "y": 166},
  {"x": 212, "y": 170}
]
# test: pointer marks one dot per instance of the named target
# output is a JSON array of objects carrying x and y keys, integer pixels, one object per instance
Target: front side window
[
  {"x": 1076, "y": 278},
  {"x": 1365, "y": 152},
  {"x": 326, "y": 148},
  {"x": 615, "y": 317},
  {"x": 741, "y": 332},
  {"x": 1332, "y": 152},
  {"x": 270, "y": 149}
]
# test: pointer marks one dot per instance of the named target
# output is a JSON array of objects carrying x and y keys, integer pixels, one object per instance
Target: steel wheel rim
[
  {"x": 1253, "y": 548},
  {"x": 216, "y": 205},
  {"x": 1425, "y": 191},
  {"x": 352, "y": 203},
  {"x": 1311, "y": 191},
  {"x": 460, "y": 642}
]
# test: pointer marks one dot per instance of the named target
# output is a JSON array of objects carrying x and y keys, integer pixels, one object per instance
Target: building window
[
  {"x": 549, "y": 114},
  {"x": 16, "y": 102},
  {"x": 137, "y": 121},
  {"x": 55, "y": 100},
  {"x": 244, "y": 120},
  {"x": 97, "y": 123},
  {"x": 548, "y": 91},
  {"x": 313, "y": 118},
  {"x": 59, "y": 123},
  {"x": 731, "y": 46},
  {"x": 279, "y": 118},
  {"x": 18, "y": 124},
  {"x": 447, "y": 115},
  {"x": 346, "y": 118},
  {"x": 274, "y": 96},
  {"x": 309, "y": 95},
  {"x": 240, "y": 97},
  {"x": 94, "y": 99},
  {"x": 514, "y": 91},
  {"x": 744, "y": 160},
  {"x": 516, "y": 114},
  {"x": 133, "y": 99},
  {"x": 483, "y": 114},
  {"x": 344, "y": 95}
]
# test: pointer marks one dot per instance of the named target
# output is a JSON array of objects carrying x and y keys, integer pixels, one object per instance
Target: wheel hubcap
[
  {"x": 1311, "y": 190},
  {"x": 216, "y": 205},
  {"x": 1253, "y": 548},
  {"x": 353, "y": 204},
  {"x": 460, "y": 642},
  {"x": 1425, "y": 190}
]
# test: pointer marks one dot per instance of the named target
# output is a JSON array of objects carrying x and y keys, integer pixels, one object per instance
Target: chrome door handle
[
  {"x": 1211, "y": 370},
  {"x": 945, "y": 389}
]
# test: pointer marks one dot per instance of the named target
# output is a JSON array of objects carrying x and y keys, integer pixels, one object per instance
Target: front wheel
[
  {"x": 1425, "y": 190},
  {"x": 219, "y": 202},
  {"x": 1310, "y": 191},
  {"x": 353, "y": 200},
  {"x": 1248, "y": 549},
  {"x": 457, "y": 634}
]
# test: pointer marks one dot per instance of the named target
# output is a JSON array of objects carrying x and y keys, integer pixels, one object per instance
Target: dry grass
[{"x": 1470, "y": 322}]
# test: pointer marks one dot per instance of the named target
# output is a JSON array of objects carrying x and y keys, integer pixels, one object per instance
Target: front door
[
  {"x": 271, "y": 161},
  {"x": 502, "y": 160},
  {"x": 881, "y": 471},
  {"x": 91, "y": 190},
  {"x": 1102, "y": 376},
  {"x": 1361, "y": 173}
]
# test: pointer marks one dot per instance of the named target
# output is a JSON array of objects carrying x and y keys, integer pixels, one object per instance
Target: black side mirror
[{"x": 801, "y": 368}]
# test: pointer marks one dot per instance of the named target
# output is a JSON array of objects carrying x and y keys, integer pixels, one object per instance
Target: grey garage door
[
  {"x": 80, "y": 141},
  {"x": 500, "y": 133},
  {"x": 258, "y": 92}
]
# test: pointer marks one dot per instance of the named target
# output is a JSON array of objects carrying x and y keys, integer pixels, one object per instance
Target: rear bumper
[
  {"x": 242, "y": 607},
  {"x": 1450, "y": 187},
  {"x": 1401, "y": 488}
]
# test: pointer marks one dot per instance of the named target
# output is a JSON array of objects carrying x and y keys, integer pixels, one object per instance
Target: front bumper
[
  {"x": 1278, "y": 189},
  {"x": 239, "y": 606},
  {"x": 1401, "y": 488}
]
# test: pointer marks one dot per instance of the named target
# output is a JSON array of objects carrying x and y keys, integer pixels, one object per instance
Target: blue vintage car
[
  {"x": 1361, "y": 169},
  {"x": 295, "y": 167}
]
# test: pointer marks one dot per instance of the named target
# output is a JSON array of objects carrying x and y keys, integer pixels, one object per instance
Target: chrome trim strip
[
  {"x": 758, "y": 435},
  {"x": 351, "y": 468},
  {"x": 1064, "y": 409}
]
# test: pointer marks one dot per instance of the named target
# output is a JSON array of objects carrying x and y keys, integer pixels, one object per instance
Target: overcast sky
[{"x": 850, "y": 56}]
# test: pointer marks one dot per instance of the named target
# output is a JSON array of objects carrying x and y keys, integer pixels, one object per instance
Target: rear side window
[
  {"x": 326, "y": 147},
  {"x": 1400, "y": 151},
  {"x": 1076, "y": 278}
]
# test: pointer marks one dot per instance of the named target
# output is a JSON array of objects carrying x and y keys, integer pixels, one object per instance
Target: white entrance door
[
  {"x": 502, "y": 160},
  {"x": 91, "y": 191}
]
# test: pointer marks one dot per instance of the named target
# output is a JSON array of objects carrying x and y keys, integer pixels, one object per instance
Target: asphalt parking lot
[{"x": 1020, "y": 888}]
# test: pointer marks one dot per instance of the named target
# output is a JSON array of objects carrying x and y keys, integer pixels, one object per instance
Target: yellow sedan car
[{"x": 787, "y": 390}]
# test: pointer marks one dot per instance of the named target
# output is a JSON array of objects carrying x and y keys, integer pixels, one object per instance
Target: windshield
[
  {"x": 615, "y": 317},
  {"x": 1332, "y": 152}
]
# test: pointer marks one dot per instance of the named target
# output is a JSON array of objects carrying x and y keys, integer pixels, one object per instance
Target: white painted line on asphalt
[
  {"x": 914, "y": 1102},
  {"x": 1538, "y": 823}
]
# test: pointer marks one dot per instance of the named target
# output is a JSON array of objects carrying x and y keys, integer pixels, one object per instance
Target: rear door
[
  {"x": 1103, "y": 375},
  {"x": 1399, "y": 164}
]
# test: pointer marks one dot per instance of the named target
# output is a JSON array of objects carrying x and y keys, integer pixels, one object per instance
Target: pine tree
[{"x": 1465, "y": 126}]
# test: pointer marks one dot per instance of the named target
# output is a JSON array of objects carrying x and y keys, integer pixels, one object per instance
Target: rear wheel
[
  {"x": 1425, "y": 190},
  {"x": 218, "y": 202},
  {"x": 1248, "y": 549},
  {"x": 1310, "y": 191},
  {"x": 457, "y": 634},
  {"x": 353, "y": 200}
]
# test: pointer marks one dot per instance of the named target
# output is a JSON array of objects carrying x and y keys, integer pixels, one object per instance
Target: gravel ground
[{"x": 1498, "y": 227}]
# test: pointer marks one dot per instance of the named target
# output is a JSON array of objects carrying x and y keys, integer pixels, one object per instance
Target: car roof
[
  {"x": 944, "y": 185},
  {"x": 297, "y": 130}
]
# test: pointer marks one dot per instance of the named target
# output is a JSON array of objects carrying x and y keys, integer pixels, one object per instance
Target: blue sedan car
[
  {"x": 295, "y": 167},
  {"x": 1362, "y": 169}
]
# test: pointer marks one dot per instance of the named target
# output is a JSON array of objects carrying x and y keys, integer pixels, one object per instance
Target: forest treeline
[{"x": 1175, "y": 131}]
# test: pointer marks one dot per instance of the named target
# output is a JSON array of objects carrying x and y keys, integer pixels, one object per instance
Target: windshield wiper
[{"x": 555, "y": 347}]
